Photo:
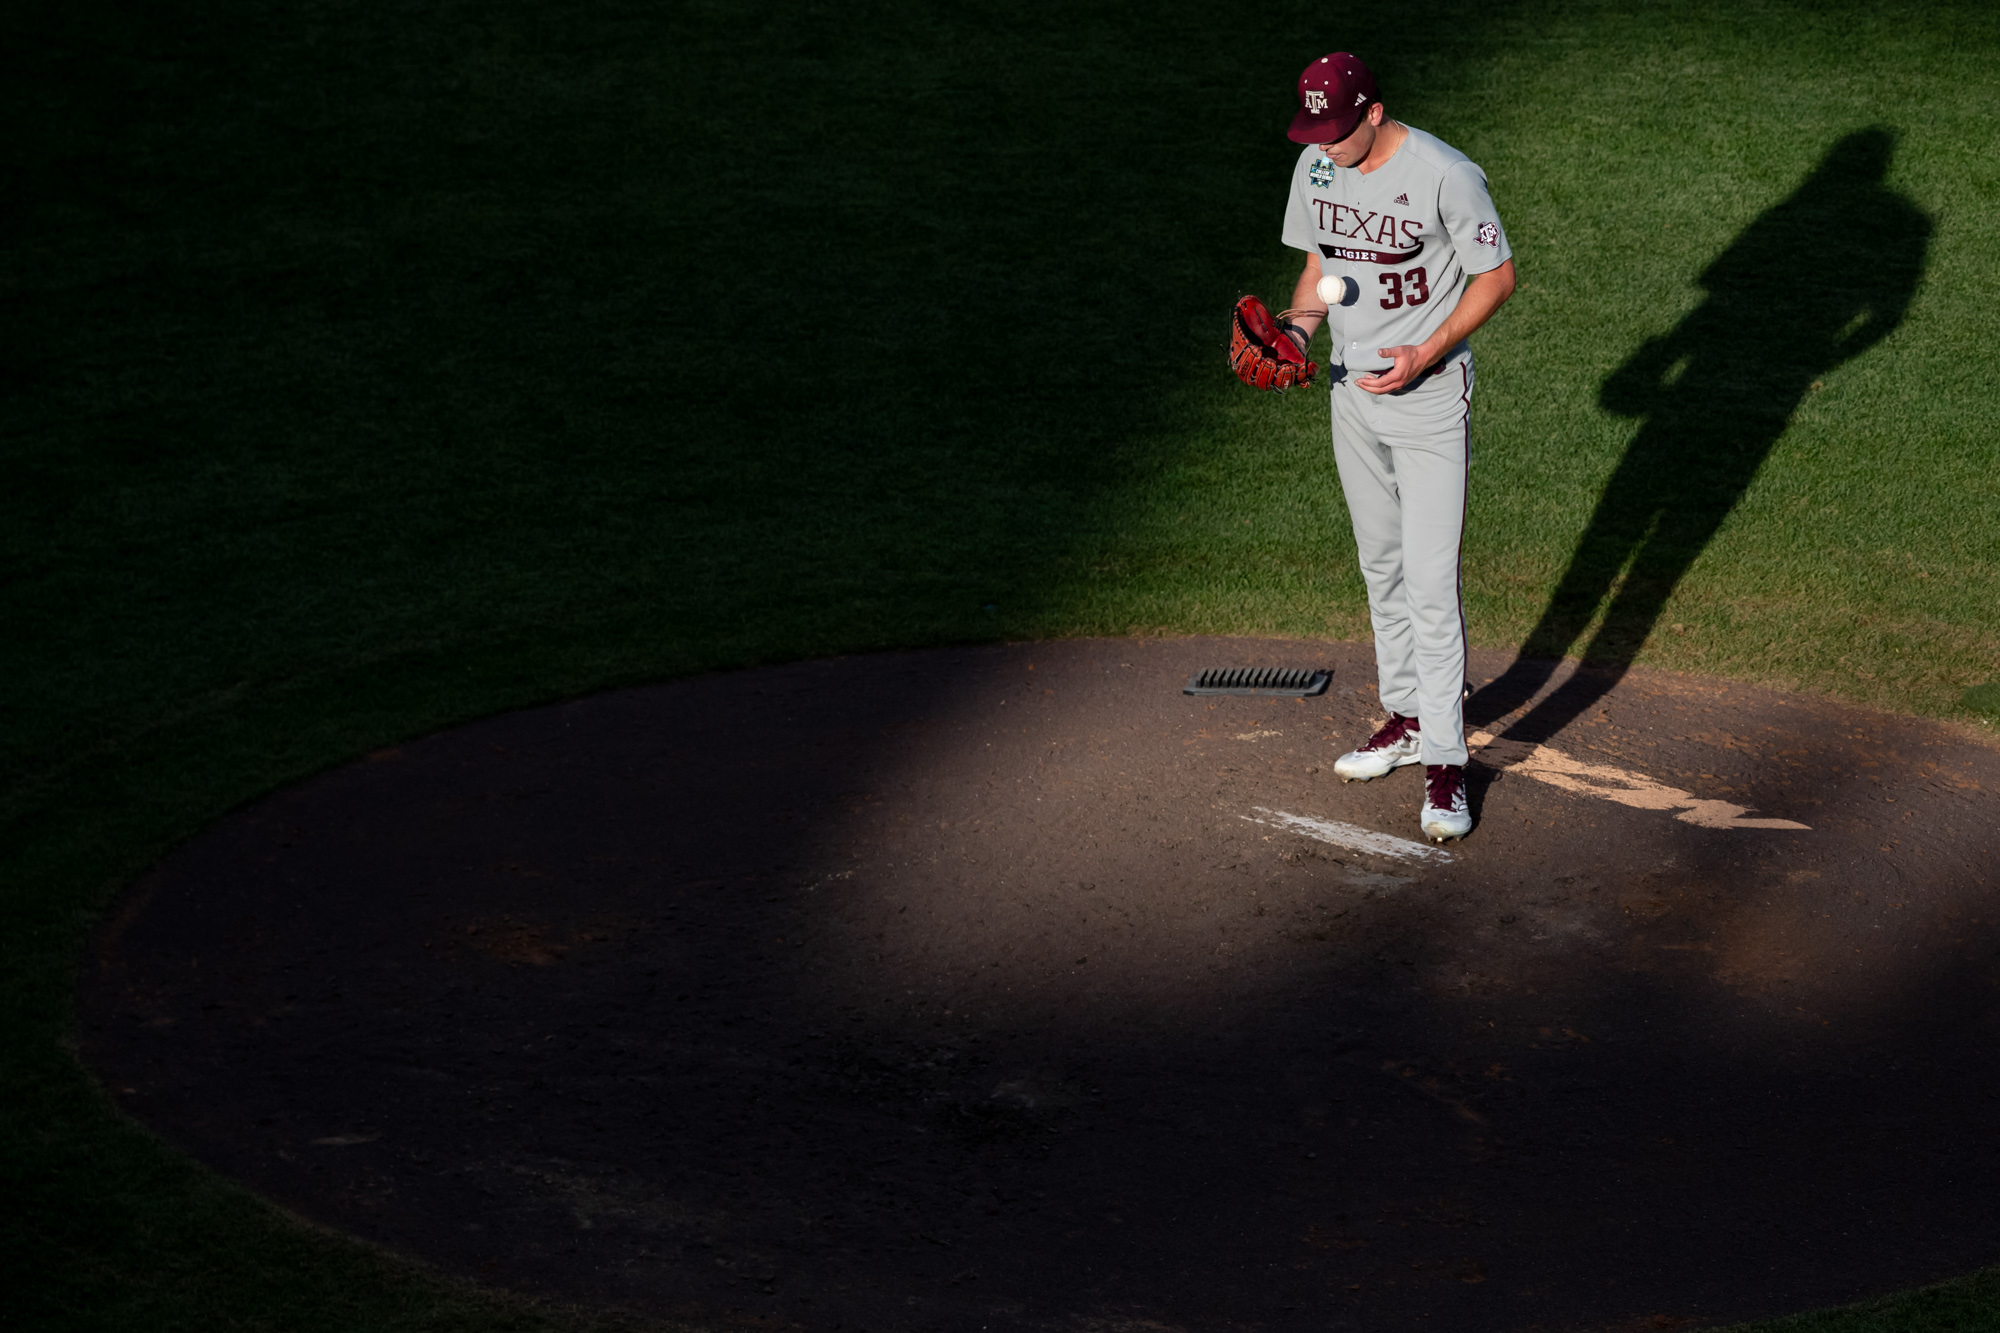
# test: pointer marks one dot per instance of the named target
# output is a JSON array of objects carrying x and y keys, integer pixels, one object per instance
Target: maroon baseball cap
[{"x": 1334, "y": 93}]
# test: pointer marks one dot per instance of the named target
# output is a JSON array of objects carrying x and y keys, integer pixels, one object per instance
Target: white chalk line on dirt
[
  {"x": 1613, "y": 784},
  {"x": 1543, "y": 764},
  {"x": 1351, "y": 836}
]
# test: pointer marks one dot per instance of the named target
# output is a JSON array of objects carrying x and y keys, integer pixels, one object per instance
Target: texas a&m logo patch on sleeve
[{"x": 1488, "y": 234}]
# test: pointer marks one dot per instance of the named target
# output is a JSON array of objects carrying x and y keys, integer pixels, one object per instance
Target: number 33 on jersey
[
  {"x": 1420, "y": 291},
  {"x": 1409, "y": 233}
]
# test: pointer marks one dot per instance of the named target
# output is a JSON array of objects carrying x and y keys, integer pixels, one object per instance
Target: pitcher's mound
[{"x": 1009, "y": 988}]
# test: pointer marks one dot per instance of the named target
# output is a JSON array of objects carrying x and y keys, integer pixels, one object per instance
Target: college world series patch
[{"x": 1320, "y": 173}]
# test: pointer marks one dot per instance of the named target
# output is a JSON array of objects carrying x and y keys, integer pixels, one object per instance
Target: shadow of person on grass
[{"x": 1814, "y": 282}]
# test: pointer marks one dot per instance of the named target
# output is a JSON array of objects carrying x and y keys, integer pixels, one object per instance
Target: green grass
[
  {"x": 369, "y": 367},
  {"x": 1982, "y": 699}
]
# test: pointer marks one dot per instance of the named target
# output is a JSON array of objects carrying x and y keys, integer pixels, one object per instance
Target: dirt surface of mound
[{"x": 1010, "y": 988}]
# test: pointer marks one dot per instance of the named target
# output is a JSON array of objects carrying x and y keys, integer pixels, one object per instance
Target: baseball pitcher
[{"x": 1405, "y": 257}]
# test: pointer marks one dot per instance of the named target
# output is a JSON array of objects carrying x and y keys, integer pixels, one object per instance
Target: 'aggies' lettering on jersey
[{"x": 1370, "y": 256}]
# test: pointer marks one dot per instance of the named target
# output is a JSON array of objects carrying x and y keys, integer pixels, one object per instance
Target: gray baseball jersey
[{"x": 1408, "y": 233}]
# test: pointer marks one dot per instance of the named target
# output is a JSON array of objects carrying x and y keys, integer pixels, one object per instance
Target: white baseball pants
[{"x": 1403, "y": 460}]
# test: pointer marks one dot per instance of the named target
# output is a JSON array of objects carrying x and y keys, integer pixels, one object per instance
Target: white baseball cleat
[
  {"x": 1395, "y": 745},
  {"x": 1446, "y": 814}
]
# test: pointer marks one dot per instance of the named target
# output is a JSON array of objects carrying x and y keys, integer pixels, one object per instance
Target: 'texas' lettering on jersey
[{"x": 1381, "y": 228}]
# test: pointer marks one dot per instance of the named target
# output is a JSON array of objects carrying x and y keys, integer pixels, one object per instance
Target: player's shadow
[{"x": 1817, "y": 280}]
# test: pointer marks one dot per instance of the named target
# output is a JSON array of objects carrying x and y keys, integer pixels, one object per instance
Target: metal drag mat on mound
[{"x": 1008, "y": 988}]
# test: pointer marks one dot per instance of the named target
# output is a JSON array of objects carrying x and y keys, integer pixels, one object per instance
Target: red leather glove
[{"x": 1261, "y": 353}]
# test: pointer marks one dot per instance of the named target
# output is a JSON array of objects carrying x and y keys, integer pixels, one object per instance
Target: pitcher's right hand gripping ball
[{"x": 1261, "y": 353}]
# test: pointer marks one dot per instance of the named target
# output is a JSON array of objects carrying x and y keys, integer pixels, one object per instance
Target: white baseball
[{"x": 1333, "y": 290}]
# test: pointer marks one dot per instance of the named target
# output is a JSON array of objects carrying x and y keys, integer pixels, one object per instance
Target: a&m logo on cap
[{"x": 1315, "y": 100}]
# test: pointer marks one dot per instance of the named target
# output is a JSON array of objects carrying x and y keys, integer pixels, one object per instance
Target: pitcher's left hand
[{"x": 1410, "y": 363}]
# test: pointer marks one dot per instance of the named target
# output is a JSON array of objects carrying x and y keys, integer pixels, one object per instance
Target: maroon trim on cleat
[
  {"x": 1443, "y": 784},
  {"x": 1390, "y": 733}
]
